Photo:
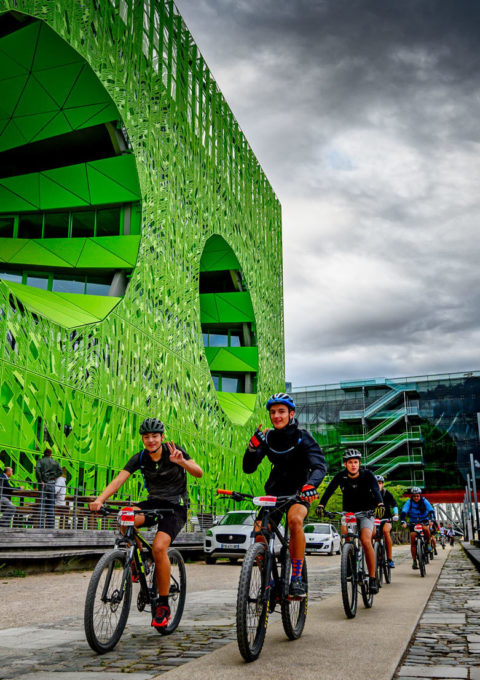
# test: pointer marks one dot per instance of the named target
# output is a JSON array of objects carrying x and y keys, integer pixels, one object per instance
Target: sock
[
  {"x": 297, "y": 565},
  {"x": 162, "y": 601}
]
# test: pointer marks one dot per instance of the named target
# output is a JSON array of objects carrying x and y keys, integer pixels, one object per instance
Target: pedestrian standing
[{"x": 47, "y": 471}]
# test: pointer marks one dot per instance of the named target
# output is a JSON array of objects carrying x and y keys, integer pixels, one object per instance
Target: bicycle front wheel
[
  {"x": 379, "y": 557},
  {"x": 252, "y": 607},
  {"x": 294, "y": 612},
  {"x": 107, "y": 603},
  {"x": 421, "y": 557},
  {"x": 348, "y": 579}
]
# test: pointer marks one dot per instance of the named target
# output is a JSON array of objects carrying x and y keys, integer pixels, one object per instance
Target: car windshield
[
  {"x": 237, "y": 518},
  {"x": 317, "y": 529}
]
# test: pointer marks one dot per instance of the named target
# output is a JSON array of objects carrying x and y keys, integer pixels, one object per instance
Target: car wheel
[
  {"x": 210, "y": 560},
  {"x": 233, "y": 560},
  {"x": 331, "y": 551}
]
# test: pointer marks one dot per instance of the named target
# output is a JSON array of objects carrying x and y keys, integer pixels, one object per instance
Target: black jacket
[
  {"x": 296, "y": 460},
  {"x": 359, "y": 493}
]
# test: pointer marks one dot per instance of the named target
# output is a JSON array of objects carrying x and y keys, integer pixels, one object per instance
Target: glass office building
[{"x": 414, "y": 430}]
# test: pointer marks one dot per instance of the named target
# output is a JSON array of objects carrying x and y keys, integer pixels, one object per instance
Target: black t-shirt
[
  {"x": 390, "y": 503},
  {"x": 163, "y": 479},
  {"x": 359, "y": 493}
]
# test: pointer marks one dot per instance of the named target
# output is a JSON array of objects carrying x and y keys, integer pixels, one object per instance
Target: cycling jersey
[
  {"x": 163, "y": 479},
  {"x": 417, "y": 512},
  {"x": 359, "y": 493},
  {"x": 295, "y": 456}
]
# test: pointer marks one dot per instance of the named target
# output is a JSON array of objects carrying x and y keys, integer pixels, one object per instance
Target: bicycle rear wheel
[
  {"x": 252, "y": 607},
  {"x": 421, "y": 556},
  {"x": 348, "y": 579},
  {"x": 177, "y": 591},
  {"x": 294, "y": 612},
  {"x": 107, "y": 603},
  {"x": 367, "y": 595},
  {"x": 387, "y": 571}
]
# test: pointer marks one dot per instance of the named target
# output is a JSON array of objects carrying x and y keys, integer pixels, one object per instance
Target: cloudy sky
[{"x": 365, "y": 116}]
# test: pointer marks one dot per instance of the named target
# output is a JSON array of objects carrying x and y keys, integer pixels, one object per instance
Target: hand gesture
[{"x": 176, "y": 456}]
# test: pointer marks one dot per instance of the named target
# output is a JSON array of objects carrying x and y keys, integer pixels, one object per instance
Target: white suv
[
  {"x": 322, "y": 538},
  {"x": 230, "y": 537}
]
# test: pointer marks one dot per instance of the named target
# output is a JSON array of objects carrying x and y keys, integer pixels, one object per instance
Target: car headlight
[{"x": 208, "y": 532}]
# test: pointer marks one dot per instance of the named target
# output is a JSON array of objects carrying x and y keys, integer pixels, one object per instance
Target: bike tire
[
  {"x": 379, "y": 557},
  {"x": 294, "y": 612},
  {"x": 177, "y": 591},
  {"x": 421, "y": 557},
  {"x": 105, "y": 620},
  {"x": 387, "y": 570},
  {"x": 252, "y": 609},
  {"x": 367, "y": 596},
  {"x": 348, "y": 579}
]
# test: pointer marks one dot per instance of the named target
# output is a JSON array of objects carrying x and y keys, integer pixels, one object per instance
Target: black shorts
[{"x": 172, "y": 522}]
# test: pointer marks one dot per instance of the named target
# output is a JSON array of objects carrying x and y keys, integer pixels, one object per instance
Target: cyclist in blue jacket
[{"x": 419, "y": 511}]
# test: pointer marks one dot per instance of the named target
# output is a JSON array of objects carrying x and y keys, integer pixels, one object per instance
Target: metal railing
[{"x": 31, "y": 506}]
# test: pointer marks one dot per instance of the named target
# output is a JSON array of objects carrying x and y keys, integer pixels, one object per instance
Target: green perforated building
[{"x": 140, "y": 246}]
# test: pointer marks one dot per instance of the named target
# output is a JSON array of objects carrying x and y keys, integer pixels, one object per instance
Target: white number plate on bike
[{"x": 230, "y": 546}]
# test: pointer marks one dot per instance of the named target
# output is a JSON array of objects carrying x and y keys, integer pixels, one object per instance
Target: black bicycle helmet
[
  {"x": 151, "y": 425},
  {"x": 351, "y": 453}
]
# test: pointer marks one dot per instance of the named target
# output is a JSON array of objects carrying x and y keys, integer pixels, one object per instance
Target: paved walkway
[{"x": 446, "y": 643}]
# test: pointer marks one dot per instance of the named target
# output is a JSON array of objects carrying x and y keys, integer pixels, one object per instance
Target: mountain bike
[
  {"x": 421, "y": 546},
  {"x": 353, "y": 570},
  {"x": 109, "y": 594},
  {"x": 382, "y": 568},
  {"x": 265, "y": 579}
]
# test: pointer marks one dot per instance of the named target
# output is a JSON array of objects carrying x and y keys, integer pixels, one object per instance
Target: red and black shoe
[{"x": 161, "y": 617}]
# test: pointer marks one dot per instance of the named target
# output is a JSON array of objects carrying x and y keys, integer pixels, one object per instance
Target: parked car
[
  {"x": 321, "y": 538},
  {"x": 230, "y": 537}
]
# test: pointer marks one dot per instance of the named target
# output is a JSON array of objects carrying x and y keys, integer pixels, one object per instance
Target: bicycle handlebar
[
  {"x": 107, "y": 510},
  {"x": 238, "y": 496}
]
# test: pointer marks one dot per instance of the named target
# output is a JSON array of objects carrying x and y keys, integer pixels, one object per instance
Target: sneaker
[
  {"x": 297, "y": 590},
  {"x": 391, "y": 564},
  {"x": 373, "y": 585},
  {"x": 162, "y": 616},
  {"x": 435, "y": 551},
  {"x": 135, "y": 576},
  {"x": 414, "y": 565}
]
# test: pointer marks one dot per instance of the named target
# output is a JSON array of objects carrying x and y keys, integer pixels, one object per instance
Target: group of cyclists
[{"x": 297, "y": 467}]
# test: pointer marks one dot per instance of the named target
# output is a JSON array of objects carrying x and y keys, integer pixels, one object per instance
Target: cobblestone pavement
[{"x": 446, "y": 642}]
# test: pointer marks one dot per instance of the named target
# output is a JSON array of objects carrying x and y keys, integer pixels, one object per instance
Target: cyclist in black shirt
[
  {"x": 360, "y": 494},
  {"x": 391, "y": 513},
  {"x": 298, "y": 466},
  {"x": 164, "y": 466}
]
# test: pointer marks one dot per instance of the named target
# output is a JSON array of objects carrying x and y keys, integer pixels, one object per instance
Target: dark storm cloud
[{"x": 365, "y": 117}]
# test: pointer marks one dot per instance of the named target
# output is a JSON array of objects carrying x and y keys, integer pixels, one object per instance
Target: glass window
[
  {"x": 83, "y": 224},
  {"x": 217, "y": 340},
  {"x": 30, "y": 226},
  {"x": 230, "y": 384},
  {"x": 108, "y": 222},
  {"x": 232, "y": 518},
  {"x": 6, "y": 227},
  {"x": 235, "y": 340},
  {"x": 63, "y": 285},
  {"x": 16, "y": 277},
  {"x": 37, "y": 281},
  {"x": 97, "y": 288},
  {"x": 56, "y": 225},
  {"x": 216, "y": 381},
  {"x": 205, "y": 339}
]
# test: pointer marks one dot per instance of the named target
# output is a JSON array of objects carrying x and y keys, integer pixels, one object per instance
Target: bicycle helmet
[
  {"x": 152, "y": 425},
  {"x": 415, "y": 489},
  {"x": 281, "y": 398},
  {"x": 379, "y": 478},
  {"x": 351, "y": 453}
]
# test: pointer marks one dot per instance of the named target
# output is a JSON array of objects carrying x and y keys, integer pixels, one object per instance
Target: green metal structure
[{"x": 140, "y": 246}]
